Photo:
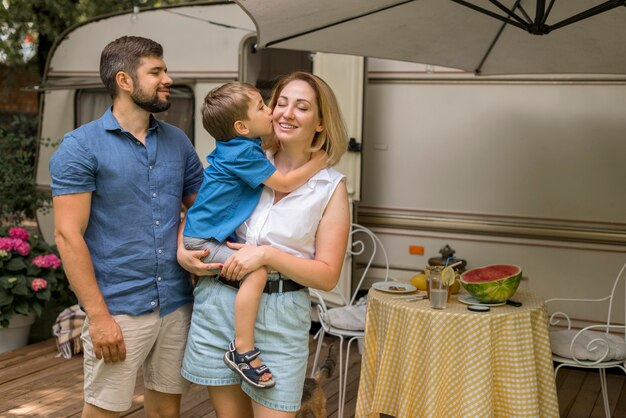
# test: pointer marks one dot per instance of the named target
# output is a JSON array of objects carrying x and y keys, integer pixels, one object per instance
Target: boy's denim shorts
[{"x": 281, "y": 333}]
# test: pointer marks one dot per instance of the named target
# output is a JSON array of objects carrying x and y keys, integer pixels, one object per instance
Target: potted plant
[{"x": 31, "y": 274}]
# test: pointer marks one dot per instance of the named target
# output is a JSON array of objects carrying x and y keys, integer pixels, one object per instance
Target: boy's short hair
[
  {"x": 125, "y": 54},
  {"x": 225, "y": 105}
]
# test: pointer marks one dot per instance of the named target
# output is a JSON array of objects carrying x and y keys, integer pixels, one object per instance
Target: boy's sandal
[{"x": 240, "y": 363}]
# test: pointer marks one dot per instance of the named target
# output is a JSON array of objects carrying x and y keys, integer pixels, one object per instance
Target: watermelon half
[{"x": 492, "y": 284}]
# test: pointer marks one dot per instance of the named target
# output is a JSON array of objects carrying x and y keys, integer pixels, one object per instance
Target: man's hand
[{"x": 107, "y": 339}]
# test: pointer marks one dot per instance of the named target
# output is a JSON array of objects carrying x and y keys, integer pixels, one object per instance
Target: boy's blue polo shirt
[
  {"x": 231, "y": 189},
  {"x": 136, "y": 191}
]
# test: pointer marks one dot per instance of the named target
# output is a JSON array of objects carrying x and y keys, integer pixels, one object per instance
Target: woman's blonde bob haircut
[{"x": 333, "y": 139}]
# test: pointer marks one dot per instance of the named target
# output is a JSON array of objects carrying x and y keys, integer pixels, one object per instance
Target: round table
[{"x": 423, "y": 362}]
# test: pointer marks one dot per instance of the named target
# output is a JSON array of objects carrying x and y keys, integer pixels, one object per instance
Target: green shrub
[{"x": 19, "y": 197}]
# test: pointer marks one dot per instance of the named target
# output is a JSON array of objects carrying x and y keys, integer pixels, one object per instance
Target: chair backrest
[
  {"x": 614, "y": 294},
  {"x": 612, "y": 299},
  {"x": 363, "y": 241}
]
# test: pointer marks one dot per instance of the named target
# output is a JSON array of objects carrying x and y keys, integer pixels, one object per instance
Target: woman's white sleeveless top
[{"x": 290, "y": 225}]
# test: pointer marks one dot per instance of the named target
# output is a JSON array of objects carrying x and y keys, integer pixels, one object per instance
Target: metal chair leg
[
  {"x": 318, "y": 350},
  {"x": 344, "y": 382},
  {"x": 605, "y": 394},
  {"x": 341, "y": 395},
  {"x": 556, "y": 369}
]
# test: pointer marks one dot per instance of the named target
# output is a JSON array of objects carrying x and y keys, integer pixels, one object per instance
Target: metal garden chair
[
  {"x": 348, "y": 322},
  {"x": 596, "y": 346}
]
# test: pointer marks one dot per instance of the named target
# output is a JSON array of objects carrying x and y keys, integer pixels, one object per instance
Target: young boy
[{"x": 236, "y": 116}]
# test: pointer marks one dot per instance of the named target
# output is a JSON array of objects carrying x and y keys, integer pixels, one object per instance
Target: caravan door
[{"x": 345, "y": 74}]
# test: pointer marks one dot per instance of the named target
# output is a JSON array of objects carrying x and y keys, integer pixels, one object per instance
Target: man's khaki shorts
[{"x": 155, "y": 343}]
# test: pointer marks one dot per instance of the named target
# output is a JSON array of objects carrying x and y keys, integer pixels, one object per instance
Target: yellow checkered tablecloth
[{"x": 422, "y": 362}]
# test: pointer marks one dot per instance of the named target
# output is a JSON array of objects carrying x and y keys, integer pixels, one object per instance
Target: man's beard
[{"x": 148, "y": 103}]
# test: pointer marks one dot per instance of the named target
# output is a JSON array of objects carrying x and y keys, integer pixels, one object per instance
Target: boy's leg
[
  {"x": 247, "y": 300},
  {"x": 246, "y": 308}
]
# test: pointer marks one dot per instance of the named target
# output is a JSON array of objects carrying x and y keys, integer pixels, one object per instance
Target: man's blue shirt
[
  {"x": 231, "y": 189},
  {"x": 136, "y": 191}
]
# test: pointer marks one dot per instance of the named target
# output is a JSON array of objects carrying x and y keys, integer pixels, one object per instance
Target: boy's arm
[{"x": 288, "y": 182}]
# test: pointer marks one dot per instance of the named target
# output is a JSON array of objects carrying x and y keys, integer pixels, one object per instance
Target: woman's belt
[{"x": 271, "y": 286}]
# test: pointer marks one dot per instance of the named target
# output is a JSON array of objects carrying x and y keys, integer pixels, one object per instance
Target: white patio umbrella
[{"x": 481, "y": 36}]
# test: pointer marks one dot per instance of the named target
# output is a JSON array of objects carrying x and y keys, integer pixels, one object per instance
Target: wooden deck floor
[{"x": 36, "y": 383}]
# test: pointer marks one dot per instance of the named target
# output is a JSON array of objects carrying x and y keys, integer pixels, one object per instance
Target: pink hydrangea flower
[
  {"x": 6, "y": 244},
  {"x": 21, "y": 247},
  {"x": 38, "y": 284},
  {"x": 15, "y": 244},
  {"x": 19, "y": 233},
  {"x": 49, "y": 261}
]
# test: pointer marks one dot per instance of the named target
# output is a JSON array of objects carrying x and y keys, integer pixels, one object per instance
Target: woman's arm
[
  {"x": 322, "y": 272},
  {"x": 191, "y": 260}
]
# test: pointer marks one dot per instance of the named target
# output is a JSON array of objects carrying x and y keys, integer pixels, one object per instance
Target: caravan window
[
  {"x": 262, "y": 67},
  {"x": 92, "y": 103}
]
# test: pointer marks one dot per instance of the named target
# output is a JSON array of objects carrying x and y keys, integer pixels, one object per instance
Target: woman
[{"x": 302, "y": 235}]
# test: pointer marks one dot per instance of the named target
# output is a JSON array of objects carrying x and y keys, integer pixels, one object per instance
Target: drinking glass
[{"x": 437, "y": 290}]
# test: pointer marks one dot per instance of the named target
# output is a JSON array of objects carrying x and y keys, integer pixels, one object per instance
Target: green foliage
[
  {"x": 19, "y": 196},
  {"x": 44, "y": 20}
]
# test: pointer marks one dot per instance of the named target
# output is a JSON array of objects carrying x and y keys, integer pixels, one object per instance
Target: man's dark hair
[{"x": 124, "y": 54}]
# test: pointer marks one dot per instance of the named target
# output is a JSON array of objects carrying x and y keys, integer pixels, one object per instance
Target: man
[{"x": 117, "y": 185}]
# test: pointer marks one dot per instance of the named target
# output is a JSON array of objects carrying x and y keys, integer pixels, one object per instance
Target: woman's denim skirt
[{"x": 281, "y": 333}]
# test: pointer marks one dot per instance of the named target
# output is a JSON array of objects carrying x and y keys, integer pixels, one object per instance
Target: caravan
[{"x": 514, "y": 170}]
